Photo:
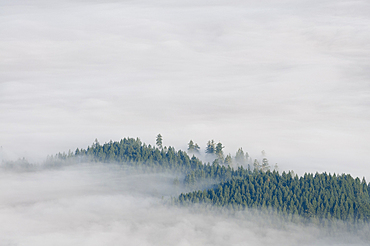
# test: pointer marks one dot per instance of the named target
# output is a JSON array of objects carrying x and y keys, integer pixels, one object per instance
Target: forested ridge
[
  {"x": 321, "y": 196},
  {"x": 312, "y": 196},
  {"x": 133, "y": 152}
]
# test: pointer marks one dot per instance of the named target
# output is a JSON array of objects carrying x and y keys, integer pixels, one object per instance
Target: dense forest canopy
[
  {"x": 238, "y": 185},
  {"x": 320, "y": 196}
]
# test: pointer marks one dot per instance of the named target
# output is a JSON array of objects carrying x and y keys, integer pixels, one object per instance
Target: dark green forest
[
  {"x": 320, "y": 196},
  {"x": 312, "y": 196}
]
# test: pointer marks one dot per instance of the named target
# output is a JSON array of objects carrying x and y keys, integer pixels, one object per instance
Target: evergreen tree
[
  {"x": 316, "y": 198},
  {"x": 265, "y": 165},
  {"x": 193, "y": 148},
  {"x": 158, "y": 141},
  {"x": 256, "y": 165},
  {"x": 210, "y": 149},
  {"x": 239, "y": 157},
  {"x": 219, "y": 152},
  {"x": 228, "y": 160}
]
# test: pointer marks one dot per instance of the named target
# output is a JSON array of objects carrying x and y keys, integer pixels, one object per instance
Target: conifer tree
[
  {"x": 219, "y": 152},
  {"x": 210, "y": 149},
  {"x": 158, "y": 141},
  {"x": 193, "y": 148},
  {"x": 239, "y": 157},
  {"x": 228, "y": 160},
  {"x": 256, "y": 165},
  {"x": 265, "y": 165}
]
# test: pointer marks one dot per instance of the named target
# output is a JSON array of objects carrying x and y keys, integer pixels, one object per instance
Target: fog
[
  {"x": 97, "y": 204},
  {"x": 288, "y": 77}
]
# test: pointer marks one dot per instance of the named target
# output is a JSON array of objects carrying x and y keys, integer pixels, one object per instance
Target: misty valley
[
  {"x": 264, "y": 108},
  {"x": 223, "y": 188}
]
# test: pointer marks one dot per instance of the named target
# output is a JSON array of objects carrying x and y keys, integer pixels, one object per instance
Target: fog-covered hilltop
[
  {"x": 315, "y": 197},
  {"x": 130, "y": 193}
]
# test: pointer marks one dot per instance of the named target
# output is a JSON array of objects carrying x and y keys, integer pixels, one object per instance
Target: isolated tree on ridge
[
  {"x": 219, "y": 152},
  {"x": 158, "y": 141},
  {"x": 193, "y": 148},
  {"x": 210, "y": 149}
]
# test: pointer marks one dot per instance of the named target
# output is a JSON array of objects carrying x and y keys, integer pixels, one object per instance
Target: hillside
[
  {"x": 312, "y": 196},
  {"x": 320, "y": 196}
]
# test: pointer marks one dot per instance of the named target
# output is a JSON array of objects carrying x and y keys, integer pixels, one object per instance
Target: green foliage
[
  {"x": 256, "y": 165},
  {"x": 130, "y": 151},
  {"x": 228, "y": 160},
  {"x": 214, "y": 173},
  {"x": 211, "y": 148},
  {"x": 315, "y": 197},
  {"x": 239, "y": 157},
  {"x": 193, "y": 148},
  {"x": 158, "y": 141},
  {"x": 265, "y": 165},
  {"x": 18, "y": 164},
  {"x": 219, "y": 152}
]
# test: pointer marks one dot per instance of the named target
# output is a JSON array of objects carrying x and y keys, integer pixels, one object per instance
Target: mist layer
[{"x": 95, "y": 204}]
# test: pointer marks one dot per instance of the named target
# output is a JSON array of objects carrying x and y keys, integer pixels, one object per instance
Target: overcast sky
[{"x": 288, "y": 77}]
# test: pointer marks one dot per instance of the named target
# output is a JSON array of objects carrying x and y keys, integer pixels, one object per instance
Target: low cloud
[{"x": 97, "y": 204}]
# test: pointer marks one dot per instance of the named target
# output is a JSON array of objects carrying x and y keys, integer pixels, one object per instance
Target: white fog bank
[{"x": 95, "y": 204}]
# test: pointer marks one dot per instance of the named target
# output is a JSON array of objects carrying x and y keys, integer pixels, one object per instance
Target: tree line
[{"x": 319, "y": 196}]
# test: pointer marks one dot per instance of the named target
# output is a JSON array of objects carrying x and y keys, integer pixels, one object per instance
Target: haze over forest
[
  {"x": 127, "y": 193},
  {"x": 287, "y": 77}
]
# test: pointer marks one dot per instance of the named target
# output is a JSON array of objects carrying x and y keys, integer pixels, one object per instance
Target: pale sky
[{"x": 288, "y": 77}]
